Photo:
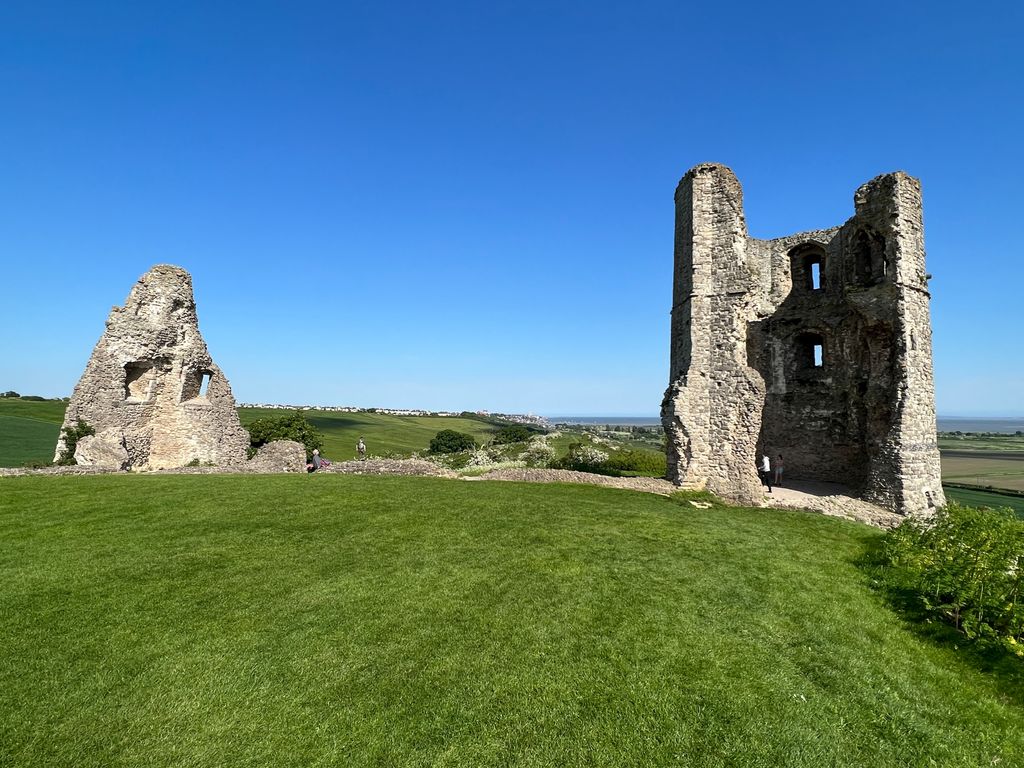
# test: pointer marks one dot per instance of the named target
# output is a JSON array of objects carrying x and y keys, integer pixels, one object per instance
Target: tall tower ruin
[{"x": 816, "y": 346}]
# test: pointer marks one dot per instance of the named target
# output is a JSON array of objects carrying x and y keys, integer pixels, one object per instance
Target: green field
[
  {"x": 29, "y": 430},
  {"x": 383, "y": 433},
  {"x": 980, "y": 442},
  {"x": 355, "y": 621},
  {"x": 976, "y": 497}
]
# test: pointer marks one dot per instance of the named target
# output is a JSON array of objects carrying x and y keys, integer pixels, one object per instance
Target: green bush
[
  {"x": 293, "y": 427},
  {"x": 966, "y": 567},
  {"x": 514, "y": 433},
  {"x": 582, "y": 458},
  {"x": 634, "y": 460},
  {"x": 450, "y": 441},
  {"x": 71, "y": 437}
]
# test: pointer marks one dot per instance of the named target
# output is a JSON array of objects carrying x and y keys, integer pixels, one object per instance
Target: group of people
[
  {"x": 319, "y": 462},
  {"x": 766, "y": 470}
]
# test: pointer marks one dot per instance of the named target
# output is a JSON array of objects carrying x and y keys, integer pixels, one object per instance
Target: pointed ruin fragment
[{"x": 151, "y": 391}]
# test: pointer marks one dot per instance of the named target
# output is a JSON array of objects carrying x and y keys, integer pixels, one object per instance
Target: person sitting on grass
[{"x": 318, "y": 462}]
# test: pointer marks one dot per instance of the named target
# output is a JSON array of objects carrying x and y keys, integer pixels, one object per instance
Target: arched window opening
[
  {"x": 869, "y": 262},
  {"x": 808, "y": 265}
]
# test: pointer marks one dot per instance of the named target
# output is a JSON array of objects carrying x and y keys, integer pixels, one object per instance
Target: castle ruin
[
  {"x": 150, "y": 389},
  {"x": 816, "y": 346}
]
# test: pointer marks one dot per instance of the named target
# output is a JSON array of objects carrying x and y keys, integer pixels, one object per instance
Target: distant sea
[
  {"x": 619, "y": 421},
  {"x": 946, "y": 423},
  {"x": 979, "y": 424}
]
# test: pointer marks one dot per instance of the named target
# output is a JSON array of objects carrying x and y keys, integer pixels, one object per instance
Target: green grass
[
  {"x": 29, "y": 430},
  {"x": 332, "y": 620},
  {"x": 382, "y": 432},
  {"x": 976, "y": 442},
  {"x": 976, "y": 497}
]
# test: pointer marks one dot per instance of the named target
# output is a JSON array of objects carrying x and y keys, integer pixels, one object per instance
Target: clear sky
[{"x": 468, "y": 205}]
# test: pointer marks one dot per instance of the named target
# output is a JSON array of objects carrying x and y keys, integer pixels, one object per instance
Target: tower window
[
  {"x": 807, "y": 262},
  {"x": 810, "y": 351}
]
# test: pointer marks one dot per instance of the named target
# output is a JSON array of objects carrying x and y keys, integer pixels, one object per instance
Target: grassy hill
[
  {"x": 333, "y": 620},
  {"x": 29, "y": 430},
  {"x": 382, "y": 432}
]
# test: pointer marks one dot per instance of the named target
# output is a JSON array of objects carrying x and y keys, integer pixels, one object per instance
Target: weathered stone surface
[
  {"x": 105, "y": 449},
  {"x": 145, "y": 382},
  {"x": 747, "y": 318},
  {"x": 279, "y": 456}
]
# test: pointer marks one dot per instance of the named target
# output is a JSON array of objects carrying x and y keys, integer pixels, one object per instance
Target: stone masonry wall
[
  {"x": 141, "y": 389},
  {"x": 815, "y": 346}
]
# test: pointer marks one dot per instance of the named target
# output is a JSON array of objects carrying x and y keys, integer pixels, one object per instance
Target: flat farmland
[{"x": 999, "y": 469}]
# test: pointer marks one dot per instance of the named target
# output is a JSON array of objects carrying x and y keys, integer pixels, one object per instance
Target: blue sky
[{"x": 469, "y": 205}]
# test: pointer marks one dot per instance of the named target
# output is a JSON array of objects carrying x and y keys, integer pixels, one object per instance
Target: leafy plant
[
  {"x": 966, "y": 567},
  {"x": 71, "y": 437},
  {"x": 292, "y": 427},
  {"x": 450, "y": 441},
  {"x": 633, "y": 460},
  {"x": 514, "y": 433}
]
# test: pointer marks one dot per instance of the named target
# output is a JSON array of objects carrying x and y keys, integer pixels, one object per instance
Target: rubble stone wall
[
  {"x": 142, "y": 389},
  {"x": 815, "y": 346}
]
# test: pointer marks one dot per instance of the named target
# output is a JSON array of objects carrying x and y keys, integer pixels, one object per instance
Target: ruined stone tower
[
  {"x": 151, "y": 390},
  {"x": 816, "y": 346}
]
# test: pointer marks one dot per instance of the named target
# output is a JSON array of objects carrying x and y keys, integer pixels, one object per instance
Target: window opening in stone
[
  {"x": 138, "y": 381},
  {"x": 810, "y": 351},
  {"x": 815, "y": 275},
  {"x": 204, "y": 383}
]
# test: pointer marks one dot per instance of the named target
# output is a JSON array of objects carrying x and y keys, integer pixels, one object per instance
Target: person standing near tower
[{"x": 766, "y": 471}]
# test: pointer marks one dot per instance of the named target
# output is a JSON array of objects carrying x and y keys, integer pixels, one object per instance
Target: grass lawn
[{"x": 340, "y": 620}]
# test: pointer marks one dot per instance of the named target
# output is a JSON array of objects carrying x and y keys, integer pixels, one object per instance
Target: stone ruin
[
  {"x": 151, "y": 391},
  {"x": 816, "y": 346}
]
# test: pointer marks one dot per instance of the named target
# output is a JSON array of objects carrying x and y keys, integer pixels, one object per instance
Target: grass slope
[
  {"x": 331, "y": 620},
  {"x": 28, "y": 430},
  {"x": 382, "y": 432}
]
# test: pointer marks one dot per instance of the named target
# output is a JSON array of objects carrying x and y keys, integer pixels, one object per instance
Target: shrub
[
  {"x": 293, "y": 427},
  {"x": 450, "y": 441},
  {"x": 71, "y": 437},
  {"x": 966, "y": 567},
  {"x": 634, "y": 460},
  {"x": 514, "y": 433},
  {"x": 34, "y": 399},
  {"x": 10, "y": 393},
  {"x": 538, "y": 454},
  {"x": 583, "y": 458}
]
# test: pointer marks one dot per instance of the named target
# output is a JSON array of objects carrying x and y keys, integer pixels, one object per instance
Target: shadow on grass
[{"x": 987, "y": 656}]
